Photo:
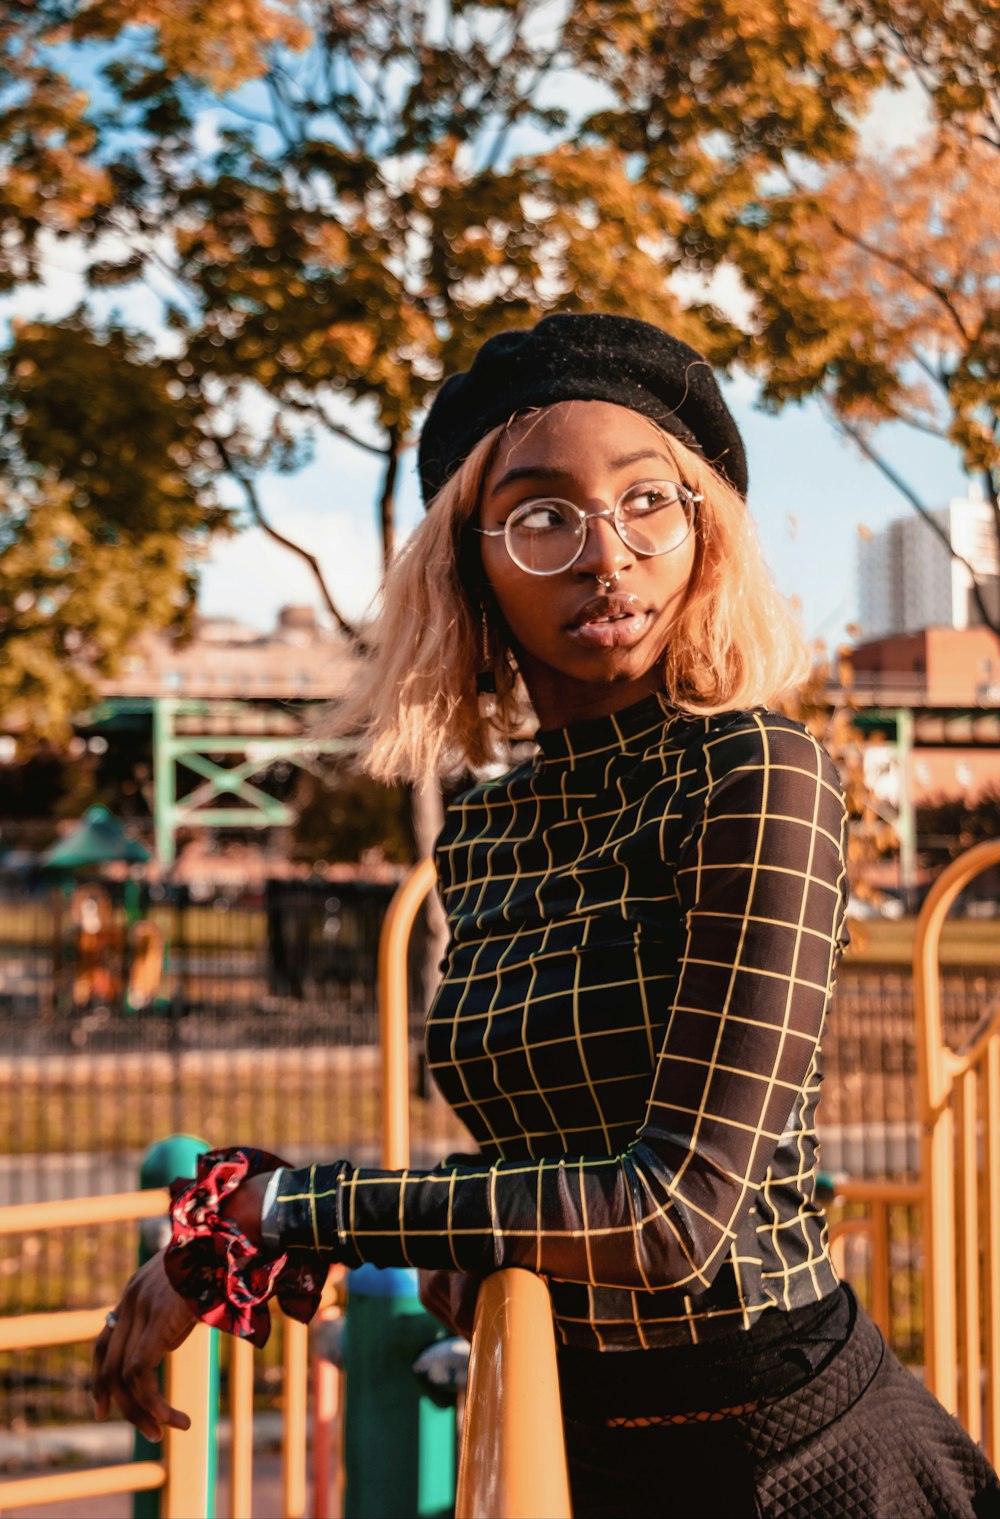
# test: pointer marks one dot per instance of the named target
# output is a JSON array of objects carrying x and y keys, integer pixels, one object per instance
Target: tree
[
  {"x": 875, "y": 280},
  {"x": 107, "y": 491},
  {"x": 886, "y": 304},
  {"x": 384, "y": 185},
  {"x": 362, "y": 216}
]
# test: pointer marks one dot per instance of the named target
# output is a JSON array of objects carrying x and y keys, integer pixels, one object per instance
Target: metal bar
[
  {"x": 937, "y": 1155},
  {"x": 189, "y": 1489},
  {"x": 220, "y": 781},
  {"x": 164, "y": 781},
  {"x": 393, "y": 1000},
  {"x": 906, "y": 820},
  {"x": 326, "y": 1428},
  {"x": 991, "y": 1243},
  {"x": 64, "y": 1487},
  {"x": 879, "y": 1192},
  {"x": 970, "y": 1409},
  {"x": 234, "y": 817},
  {"x": 513, "y": 1458},
  {"x": 267, "y": 748},
  {"x": 294, "y": 1430},
  {"x": 114, "y": 1208},
  {"x": 880, "y": 1266},
  {"x": 241, "y": 1416},
  {"x": 30, "y": 1331}
]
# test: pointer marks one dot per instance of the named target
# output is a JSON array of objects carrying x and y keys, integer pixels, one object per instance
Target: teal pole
[
  {"x": 169, "y": 1158},
  {"x": 399, "y": 1445}
]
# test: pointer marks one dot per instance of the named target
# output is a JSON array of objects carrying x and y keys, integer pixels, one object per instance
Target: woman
[{"x": 645, "y": 921}]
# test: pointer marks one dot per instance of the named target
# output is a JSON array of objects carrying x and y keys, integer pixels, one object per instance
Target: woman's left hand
[{"x": 150, "y": 1321}]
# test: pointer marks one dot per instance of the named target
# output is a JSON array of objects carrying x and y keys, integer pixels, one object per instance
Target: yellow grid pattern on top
[{"x": 645, "y": 922}]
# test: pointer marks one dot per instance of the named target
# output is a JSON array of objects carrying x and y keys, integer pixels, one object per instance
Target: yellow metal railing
[
  {"x": 512, "y": 1460},
  {"x": 958, "y": 1191},
  {"x": 959, "y": 1093},
  {"x": 183, "y": 1472},
  {"x": 878, "y": 1197}
]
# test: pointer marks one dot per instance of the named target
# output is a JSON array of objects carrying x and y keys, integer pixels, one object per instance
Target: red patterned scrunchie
[{"x": 224, "y": 1278}]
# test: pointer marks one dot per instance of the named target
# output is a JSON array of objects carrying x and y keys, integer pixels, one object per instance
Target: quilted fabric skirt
[{"x": 859, "y": 1439}]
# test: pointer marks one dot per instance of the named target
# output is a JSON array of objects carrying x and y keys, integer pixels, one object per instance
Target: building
[
  {"x": 224, "y": 659},
  {"x": 948, "y": 681},
  {"x": 908, "y": 580}
]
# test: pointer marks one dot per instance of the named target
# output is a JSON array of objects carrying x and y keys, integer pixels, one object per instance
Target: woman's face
[{"x": 584, "y": 651}]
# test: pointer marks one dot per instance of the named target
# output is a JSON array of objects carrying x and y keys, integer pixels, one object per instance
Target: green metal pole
[
  {"x": 906, "y": 822},
  {"x": 174, "y": 1156},
  {"x": 399, "y": 1445},
  {"x": 164, "y": 780}
]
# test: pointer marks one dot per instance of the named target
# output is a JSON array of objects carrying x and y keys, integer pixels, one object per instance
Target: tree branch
[
  {"x": 387, "y": 499},
  {"x": 256, "y": 511},
  {"x": 857, "y": 437},
  {"x": 894, "y": 262},
  {"x": 315, "y": 409}
]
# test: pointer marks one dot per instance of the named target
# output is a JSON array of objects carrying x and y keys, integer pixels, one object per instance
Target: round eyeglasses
[{"x": 546, "y": 535}]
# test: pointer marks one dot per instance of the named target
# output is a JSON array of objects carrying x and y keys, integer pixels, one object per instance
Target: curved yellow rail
[
  {"x": 513, "y": 1458},
  {"x": 960, "y": 1166},
  {"x": 393, "y": 1005}
]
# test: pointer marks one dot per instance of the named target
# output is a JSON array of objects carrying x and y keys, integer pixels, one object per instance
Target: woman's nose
[{"x": 604, "y": 551}]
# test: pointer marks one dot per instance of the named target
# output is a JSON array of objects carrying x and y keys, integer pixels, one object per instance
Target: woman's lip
[
  {"x": 611, "y": 604},
  {"x": 617, "y": 633}
]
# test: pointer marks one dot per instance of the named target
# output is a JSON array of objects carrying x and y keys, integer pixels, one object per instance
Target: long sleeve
[{"x": 759, "y": 879}]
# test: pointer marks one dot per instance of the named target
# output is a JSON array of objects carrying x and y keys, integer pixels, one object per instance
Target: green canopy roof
[{"x": 98, "y": 839}]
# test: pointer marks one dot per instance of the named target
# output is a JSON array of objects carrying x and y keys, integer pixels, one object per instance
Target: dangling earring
[{"x": 486, "y": 681}]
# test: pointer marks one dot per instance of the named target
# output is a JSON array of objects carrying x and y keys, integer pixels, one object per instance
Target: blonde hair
[{"x": 411, "y": 703}]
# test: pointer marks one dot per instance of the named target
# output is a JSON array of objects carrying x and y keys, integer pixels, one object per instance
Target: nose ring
[{"x": 609, "y": 582}]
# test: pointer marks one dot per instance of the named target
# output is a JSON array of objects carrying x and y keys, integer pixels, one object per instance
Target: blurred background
[{"x": 240, "y": 245}]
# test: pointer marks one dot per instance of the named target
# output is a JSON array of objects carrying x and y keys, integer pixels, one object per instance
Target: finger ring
[{"x": 111, "y": 1319}]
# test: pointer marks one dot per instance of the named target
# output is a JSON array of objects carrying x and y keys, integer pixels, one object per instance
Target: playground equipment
[{"x": 512, "y": 1461}]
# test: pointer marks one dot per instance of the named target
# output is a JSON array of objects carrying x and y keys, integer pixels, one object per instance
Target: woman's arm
[
  {"x": 761, "y": 883},
  {"x": 150, "y": 1321}
]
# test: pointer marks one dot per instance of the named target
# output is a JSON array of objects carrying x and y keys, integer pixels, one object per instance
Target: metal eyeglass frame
[{"x": 693, "y": 499}]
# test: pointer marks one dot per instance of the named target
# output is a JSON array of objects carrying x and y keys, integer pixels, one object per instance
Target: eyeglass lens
[{"x": 546, "y": 535}]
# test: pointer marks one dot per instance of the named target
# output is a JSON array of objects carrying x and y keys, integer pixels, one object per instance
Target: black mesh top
[{"x": 645, "y": 921}]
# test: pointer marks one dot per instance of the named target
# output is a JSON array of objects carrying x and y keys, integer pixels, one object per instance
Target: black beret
[{"x": 581, "y": 357}]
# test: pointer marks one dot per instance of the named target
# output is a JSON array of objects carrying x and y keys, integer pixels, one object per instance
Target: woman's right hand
[
  {"x": 451, "y": 1297},
  {"x": 151, "y": 1320}
]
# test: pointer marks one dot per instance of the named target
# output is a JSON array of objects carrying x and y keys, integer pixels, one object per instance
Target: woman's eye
[
  {"x": 651, "y": 498},
  {"x": 540, "y": 517}
]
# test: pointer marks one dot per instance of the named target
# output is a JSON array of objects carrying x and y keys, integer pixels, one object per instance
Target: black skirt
[{"x": 824, "y": 1423}]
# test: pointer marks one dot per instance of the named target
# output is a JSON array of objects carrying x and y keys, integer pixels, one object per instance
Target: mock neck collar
[{"x": 599, "y": 736}]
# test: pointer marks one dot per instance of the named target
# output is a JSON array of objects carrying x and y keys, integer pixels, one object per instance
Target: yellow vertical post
[
  {"x": 513, "y": 1457},
  {"x": 186, "y": 1452},
  {"x": 294, "y": 1427},
  {"x": 991, "y": 1244},
  {"x": 241, "y": 1416},
  {"x": 880, "y": 1266},
  {"x": 970, "y": 1409},
  {"x": 934, "y": 1078},
  {"x": 393, "y": 992}
]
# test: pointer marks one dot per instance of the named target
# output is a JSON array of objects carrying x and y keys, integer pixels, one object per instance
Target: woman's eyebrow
[{"x": 555, "y": 472}]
